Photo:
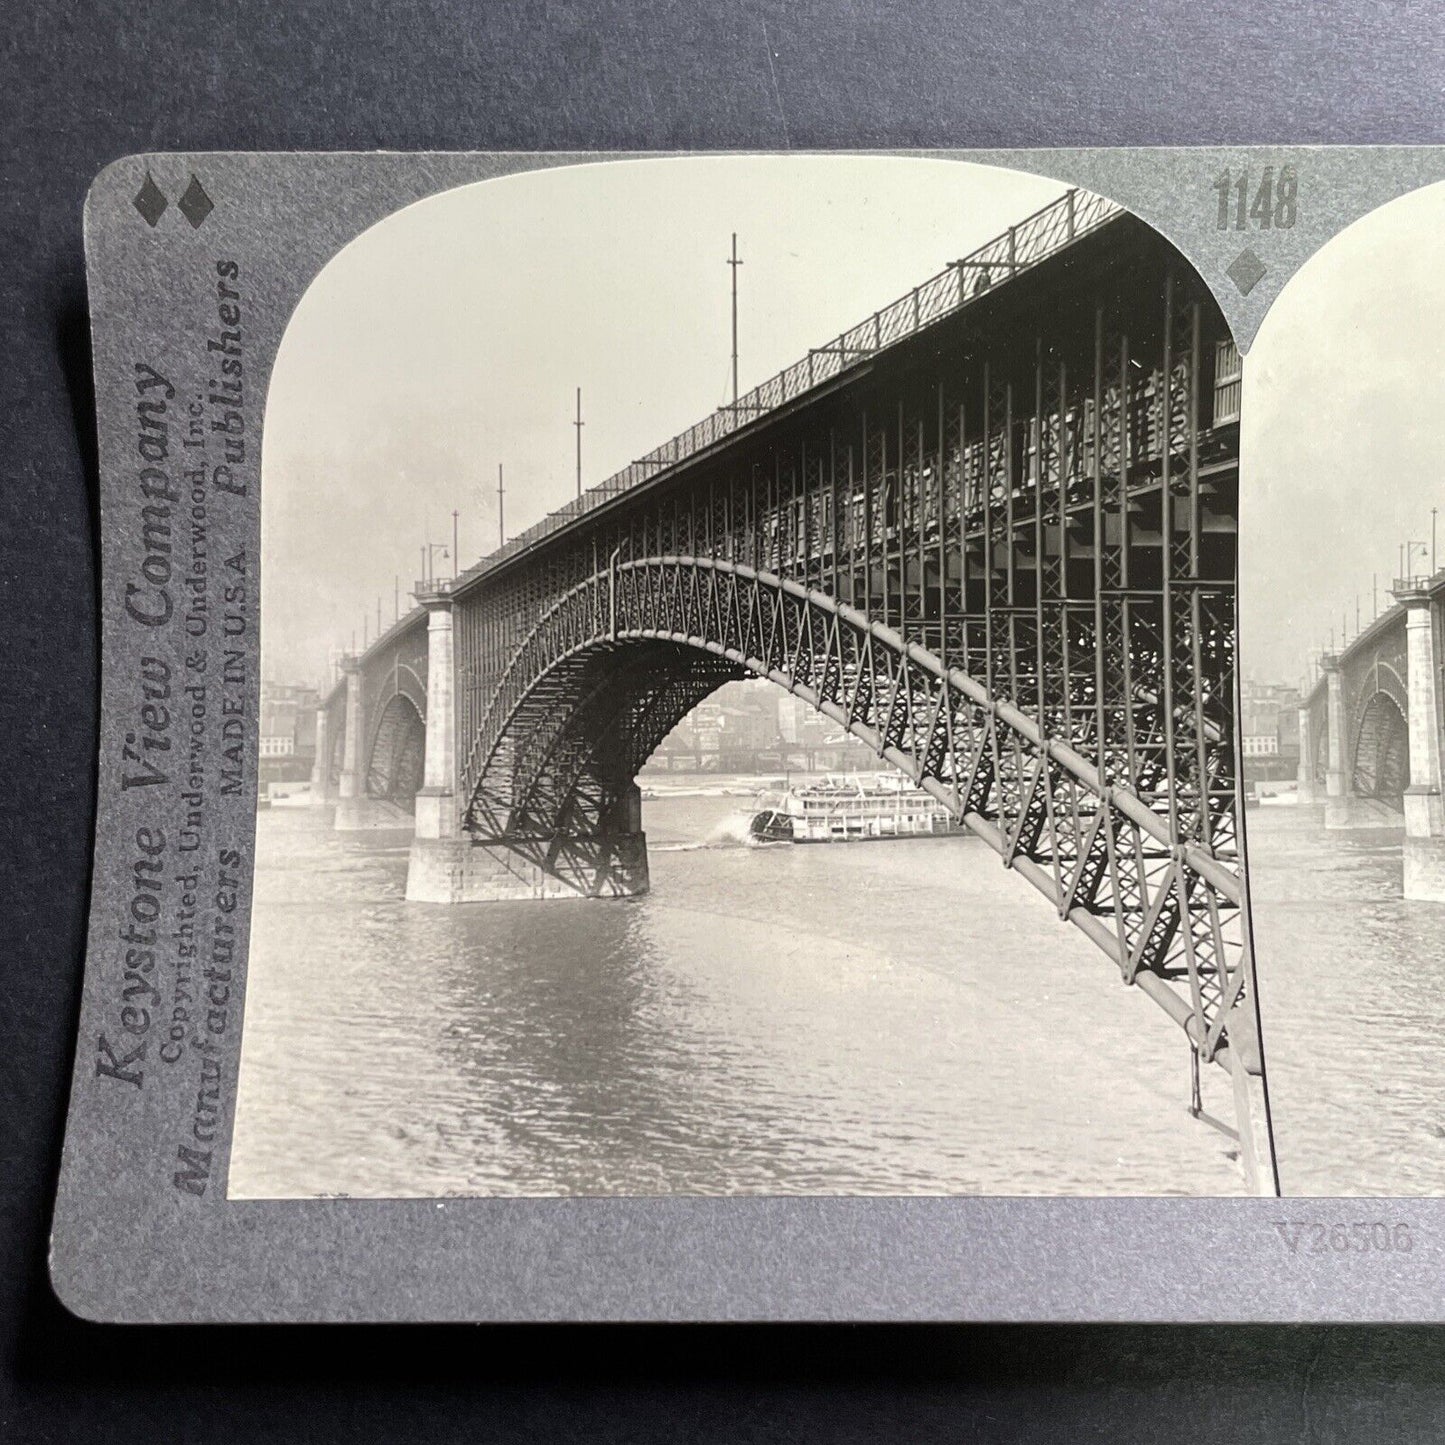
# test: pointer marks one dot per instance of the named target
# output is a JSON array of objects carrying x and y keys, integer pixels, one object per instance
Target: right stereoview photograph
[{"x": 1342, "y": 621}]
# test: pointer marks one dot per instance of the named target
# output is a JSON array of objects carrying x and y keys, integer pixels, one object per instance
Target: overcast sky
[
  {"x": 452, "y": 336},
  {"x": 1343, "y": 434}
]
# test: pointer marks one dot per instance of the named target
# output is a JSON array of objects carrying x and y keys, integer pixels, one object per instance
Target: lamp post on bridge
[{"x": 501, "y": 509}]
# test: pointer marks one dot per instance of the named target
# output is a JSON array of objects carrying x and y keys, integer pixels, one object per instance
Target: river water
[
  {"x": 1352, "y": 997},
  {"x": 903, "y": 1017}
]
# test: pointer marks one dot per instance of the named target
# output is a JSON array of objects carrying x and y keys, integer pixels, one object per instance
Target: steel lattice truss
[
  {"x": 397, "y": 756},
  {"x": 999, "y": 548},
  {"x": 1104, "y": 857}
]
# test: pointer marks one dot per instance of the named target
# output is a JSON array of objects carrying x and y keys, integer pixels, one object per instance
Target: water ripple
[{"x": 896, "y": 1018}]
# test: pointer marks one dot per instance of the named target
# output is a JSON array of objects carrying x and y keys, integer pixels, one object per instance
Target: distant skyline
[
  {"x": 452, "y": 336},
  {"x": 1342, "y": 436}
]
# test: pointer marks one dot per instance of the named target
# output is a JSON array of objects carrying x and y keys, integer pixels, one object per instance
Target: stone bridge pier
[
  {"x": 1308, "y": 791},
  {"x": 351, "y": 797},
  {"x": 1345, "y": 808},
  {"x": 1424, "y": 812},
  {"x": 323, "y": 793},
  {"x": 452, "y": 864},
  {"x": 356, "y": 810}
]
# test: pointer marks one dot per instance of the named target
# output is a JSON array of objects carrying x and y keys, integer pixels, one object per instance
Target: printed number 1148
[{"x": 1244, "y": 203}]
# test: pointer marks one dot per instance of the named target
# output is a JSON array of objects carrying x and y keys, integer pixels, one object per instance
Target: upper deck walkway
[{"x": 1024, "y": 245}]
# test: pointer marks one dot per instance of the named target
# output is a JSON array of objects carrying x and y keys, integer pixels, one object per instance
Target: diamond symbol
[
  {"x": 195, "y": 205},
  {"x": 150, "y": 201},
  {"x": 1246, "y": 271}
]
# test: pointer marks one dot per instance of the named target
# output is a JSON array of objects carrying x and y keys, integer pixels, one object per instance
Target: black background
[{"x": 83, "y": 84}]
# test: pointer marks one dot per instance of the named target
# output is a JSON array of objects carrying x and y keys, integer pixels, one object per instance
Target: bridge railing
[
  {"x": 1023, "y": 245},
  {"x": 1417, "y": 584}
]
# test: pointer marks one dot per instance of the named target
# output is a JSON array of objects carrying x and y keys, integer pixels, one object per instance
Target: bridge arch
[
  {"x": 565, "y": 757},
  {"x": 396, "y": 755},
  {"x": 1380, "y": 760},
  {"x": 621, "y": 657},
  {"x": 639, "y": 646}
]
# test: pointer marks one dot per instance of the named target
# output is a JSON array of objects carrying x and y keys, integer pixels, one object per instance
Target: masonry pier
[
  {"x": 1424, "y": 813},
  {"x": 356, "y": 811},
  {"x": 323, "y": 793},
  {"x": 1307, "y": 792},
  {"x": 451, "y": 865},
  {"x": 1346, "y": 809}
]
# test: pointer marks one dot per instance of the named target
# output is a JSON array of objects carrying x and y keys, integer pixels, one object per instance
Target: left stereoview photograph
[
  {"x": 746, "y": 697},
  {"x": 668, "y": 743}
]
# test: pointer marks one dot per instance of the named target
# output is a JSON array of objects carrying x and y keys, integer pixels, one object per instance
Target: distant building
[
  {"x": 288, "y": 732},
  {"x": 755, "y": 726},
  {"x": 1269, "y": 724}
]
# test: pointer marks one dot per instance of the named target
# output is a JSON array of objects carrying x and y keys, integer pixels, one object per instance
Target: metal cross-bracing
[
  {"x": 1001, "y": 550},
  {"x": 1034, "y": 239},
  {"x": 992, "y": 534},
  {"x": 560, "y": 769},
  {"x": 1101, "y": 855}
]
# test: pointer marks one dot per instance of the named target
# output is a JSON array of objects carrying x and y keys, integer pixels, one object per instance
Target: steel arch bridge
[
  {"x": 1372, "y": 733},
  {"x": 1370, "y": 718},
  {"x": 1096, "y": 852},
  {"x": 990, "y": 531},
  {"x": 385, "y": 753}
]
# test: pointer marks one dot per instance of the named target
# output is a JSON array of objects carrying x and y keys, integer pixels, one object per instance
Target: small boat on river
[{"x": 850, "y": 807}]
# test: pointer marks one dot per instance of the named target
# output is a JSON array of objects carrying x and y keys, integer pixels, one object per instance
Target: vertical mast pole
[
  {"x": 734, "y": 263},
  {"x": 579, "y": 425}
]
